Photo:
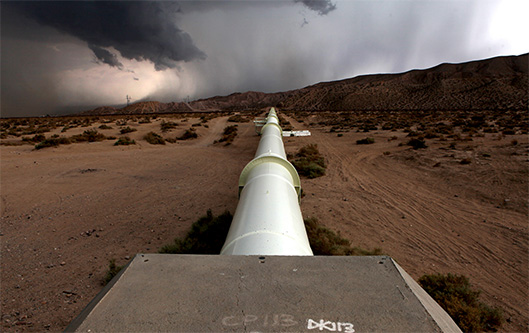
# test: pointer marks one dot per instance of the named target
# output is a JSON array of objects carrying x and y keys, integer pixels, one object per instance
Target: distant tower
[{"x": 128, "y": 99}]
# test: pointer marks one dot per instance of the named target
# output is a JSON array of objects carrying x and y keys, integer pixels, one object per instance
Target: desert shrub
[
  {"x": 417, "y": 143},
  {"x": 47, "y": 143},
  {"x": 430, "y": 134},
  {"x": 105, "y": 127},
  {"x": 145, "y": 120},
  {"x": 229, "y": 134},
  {"x": 125, "y": 130},
  {"x": 167, "y": 125},
  {"x": 121, "y": 122},
  {"x": 465, "y": 161},
  {"x": 339, "y": 135},
  {"x": 14, "y": 132},
  {"x": 368, "y": 127},
  {"x": 308, "y": 168},
  {"x": 387, "y": 126},
  {"x": 43, "y": 129},
  {"x": 53, "y": 142},
  {"x": 154, "y": 139},
  {"x": 207, "y": 236},
  {"x": 29, "y": 130},
  {"x": 112, "y": 271},
  {"x": 326, "y": 242},
  {"x": 308, "y": 162},
  {"x": 238, "y": 119},
  {"x": 91, "y": 135},
  {"x": 64, "y": 140},
  {"x": 455, "y": 294},
  {"x": 35, "y": 139},
  {"x": 366, "y": 141},
  {"x": 124, "y": 141},
  {"x": 170, "y": 140},
  {"x": 189, "y": 134},
  {"x": 285, "y": 124}
]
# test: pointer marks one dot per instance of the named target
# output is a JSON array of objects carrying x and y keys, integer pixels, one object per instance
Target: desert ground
[{"x": 458, "y": 206}]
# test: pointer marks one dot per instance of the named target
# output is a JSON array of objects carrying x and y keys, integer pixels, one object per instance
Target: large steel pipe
[{"x": 268, "y": 219}]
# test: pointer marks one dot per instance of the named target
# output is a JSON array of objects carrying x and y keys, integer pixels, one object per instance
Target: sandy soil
[{"x": 66, "y": 211}]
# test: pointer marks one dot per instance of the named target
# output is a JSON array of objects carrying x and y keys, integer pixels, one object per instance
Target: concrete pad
[{"x": 194, "y": 293}]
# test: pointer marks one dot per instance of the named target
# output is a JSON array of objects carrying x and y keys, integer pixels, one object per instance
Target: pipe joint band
[
  {"x": 272, "y": 124},
  {"x": 270, "y": 159}
]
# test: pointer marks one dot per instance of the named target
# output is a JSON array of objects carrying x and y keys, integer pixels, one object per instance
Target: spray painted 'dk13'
[{"x": 268, "y": 218}]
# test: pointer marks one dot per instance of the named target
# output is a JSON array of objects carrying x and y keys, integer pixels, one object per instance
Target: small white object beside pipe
[{"x": 268, "y": 218}]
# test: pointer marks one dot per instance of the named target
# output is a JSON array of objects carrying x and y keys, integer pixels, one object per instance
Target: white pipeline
[{"x": 268, "y": 219}]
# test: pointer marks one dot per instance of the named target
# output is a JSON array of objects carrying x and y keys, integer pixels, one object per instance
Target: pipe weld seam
[
  {"x": 290, "y": 184},
  {"x": 272, "y": 124},
  {"x": 251, "y": 233}
]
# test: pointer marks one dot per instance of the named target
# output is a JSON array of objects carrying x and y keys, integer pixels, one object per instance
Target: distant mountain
[{"x": 496, "y": 83}]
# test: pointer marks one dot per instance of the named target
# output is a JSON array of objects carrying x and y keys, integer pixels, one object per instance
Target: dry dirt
[{"x": 67, "y": 211}]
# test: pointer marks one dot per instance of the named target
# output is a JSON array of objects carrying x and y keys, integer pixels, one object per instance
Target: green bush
[
  {"x": 154, "y": 139},
  {"x": 47, "y": 143},
  {"x": 91, "y": 135},
  {"x": 366, "y": 141},
  {"x": 125, "y": 130},
  {"x": 326, "y": 242},
  {"x": 112, "y": 271},
  {"x": 461, "y": 302},
  {"x": 417, "y": 143},
  {"x": 308, "y": 168},
  {"x": 238, "y": 119},
  {"x": 229, "y": 134},
  {"x": 167, "y": 126},
  {"x": 35, "y": 139},
  {"x": 124, "y": 141},
  {"x": 53, "y": 142},
  {"x": 207, "y": 236},
  {"x": 189, "y": 134},
  {"x": 308, "y": 162}
]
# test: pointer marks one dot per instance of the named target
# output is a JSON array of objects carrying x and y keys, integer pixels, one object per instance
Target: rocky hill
[{"x": 497, "y": 83}]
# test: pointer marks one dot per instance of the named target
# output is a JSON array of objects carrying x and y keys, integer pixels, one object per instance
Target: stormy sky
[{"x": 66, "y": 56}]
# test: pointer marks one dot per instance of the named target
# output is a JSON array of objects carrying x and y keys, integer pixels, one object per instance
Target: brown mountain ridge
[{"x": 496, "y": 84}]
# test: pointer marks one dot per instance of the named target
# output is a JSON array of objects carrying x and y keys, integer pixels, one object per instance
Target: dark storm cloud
[
  {"x": 265, "y": 45},
  {"x": 138, "y": 30},
  {"x": 106, "y": 56},
  {"x": 322, "y": 7}
]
